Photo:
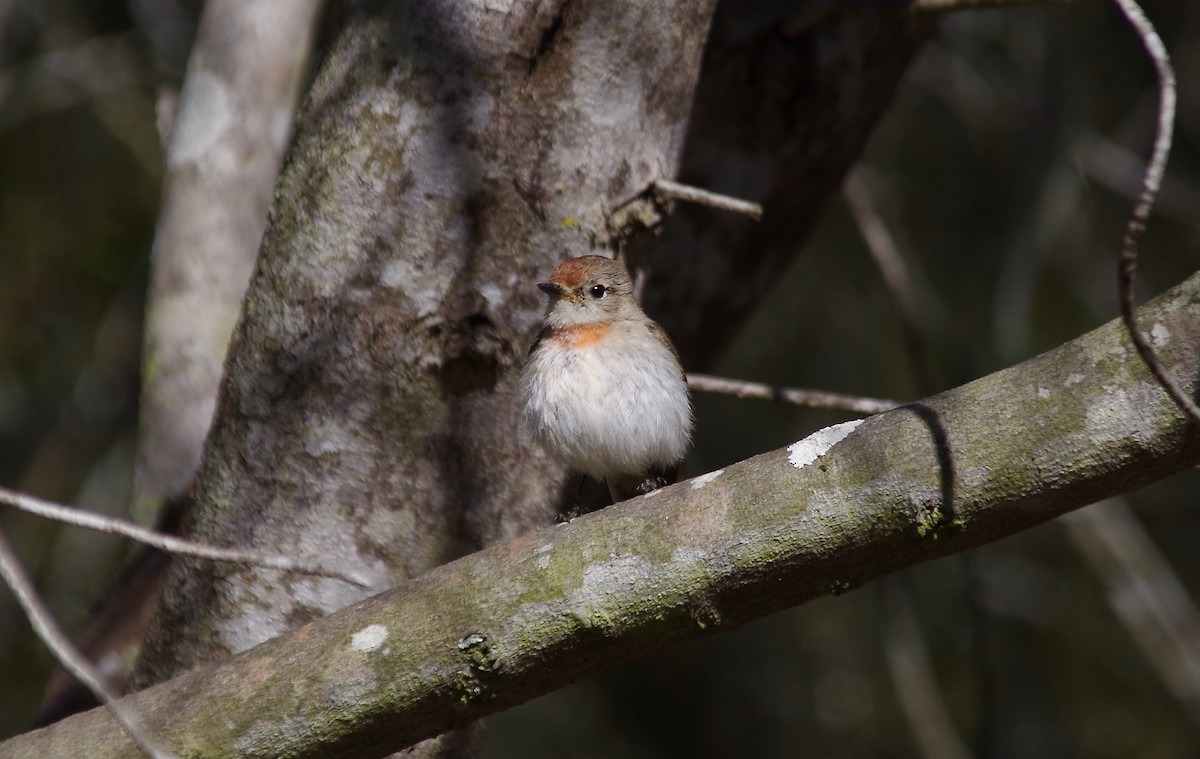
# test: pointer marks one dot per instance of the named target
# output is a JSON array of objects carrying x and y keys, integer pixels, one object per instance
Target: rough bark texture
[
  {"x": 447, "y": 155},
  {"x": 494, "y": 629},
  {"x": 234, "y": 120}
]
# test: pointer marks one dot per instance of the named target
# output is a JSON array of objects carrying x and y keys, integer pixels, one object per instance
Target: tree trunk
[{"x": 446, "y": 157}]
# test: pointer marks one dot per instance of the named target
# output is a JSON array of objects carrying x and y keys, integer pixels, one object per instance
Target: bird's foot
[
  {"x": 577, "y": 510},
  {"x": 650, "y": 484}
]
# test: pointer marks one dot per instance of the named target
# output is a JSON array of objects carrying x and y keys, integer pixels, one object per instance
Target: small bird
[{"x": 603, "y": 388}]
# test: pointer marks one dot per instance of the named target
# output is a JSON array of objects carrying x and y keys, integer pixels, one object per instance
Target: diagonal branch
[
  {"x": 68, "y": 655},
  {"x": 845, "y": 506}
]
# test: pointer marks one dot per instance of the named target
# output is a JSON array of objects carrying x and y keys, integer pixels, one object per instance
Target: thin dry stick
[
  {"x": 1151, "y": 182},
  {"x": 173, "y": 544},
  {"x": 705, "y": 383},
  {"x": 941, "y": 6},
  {"x": 668, "y": 189},
  {"x": 884, "y": 251},
  {"x": 915, "y": 684},
  {"x": 1145, "y": 593},
  {"x": 71, "y": 659},
  {"x": 920, "y": 317},
  {"x": 921, "y": 700}
]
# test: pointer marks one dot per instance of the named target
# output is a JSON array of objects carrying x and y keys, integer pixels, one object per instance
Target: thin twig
[
  {"x": 668, "y": 189},
  {"x": 71, "y": 659},
  {"x": 941, "y": 6},
  {"x": 920, "y": 316},
  {"x": 883, "y": 249},
  {"x": 913, "y": 679},
  {"x": 172, "y": 544},
  {"x": 705, "y": 383},
  {"x": 1151, "y": 182},
  {"x": 1120, "y": 169},
  {"x": 1145, "y": 593}
]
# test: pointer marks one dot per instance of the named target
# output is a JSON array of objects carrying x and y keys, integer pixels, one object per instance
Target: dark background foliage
[{"x": 1004, "y": 171}]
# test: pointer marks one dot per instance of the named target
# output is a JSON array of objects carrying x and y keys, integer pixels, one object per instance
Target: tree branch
[
  {"x": 176, "y": 545},
  {"x": 843, "y": 507},
  {"x": 226, "y": 146},
  {"x": 855, "y": 404},
  {"x": 67, "y": 654}
]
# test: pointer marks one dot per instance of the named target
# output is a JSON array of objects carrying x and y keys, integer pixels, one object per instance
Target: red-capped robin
[{"x": 603, "y": 388}]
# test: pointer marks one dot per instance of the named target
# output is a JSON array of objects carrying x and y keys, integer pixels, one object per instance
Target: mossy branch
[{"x": 845, "y": 506}]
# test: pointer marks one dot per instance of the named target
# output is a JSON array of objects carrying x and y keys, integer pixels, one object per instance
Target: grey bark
[
  {"x": 447, "y": 158},
  {"x": 441, "y": 167},
  {"x": 497, "y": 628},
  {"x": 447, "y": 155},
  {"x": 449, "y": 171}
]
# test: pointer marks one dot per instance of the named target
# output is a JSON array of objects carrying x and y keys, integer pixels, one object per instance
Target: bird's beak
[{"x": 557, "y": 291}]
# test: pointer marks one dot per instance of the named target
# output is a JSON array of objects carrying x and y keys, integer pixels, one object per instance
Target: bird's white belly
[{"x": 606, "y": 415}]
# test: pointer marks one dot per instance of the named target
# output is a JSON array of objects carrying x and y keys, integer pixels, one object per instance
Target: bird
[{"x": 603, "y": 388}]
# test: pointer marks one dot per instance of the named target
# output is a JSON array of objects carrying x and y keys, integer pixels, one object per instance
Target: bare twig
[
  {"x": 914, "y": 681},
  {"x": 675, "y": 191},
  {"x": 921, "y": 316},
  {"x": 50, "y": 634},
  {"x": 1120, "y": 170},
  {"x": 939, "y": 6},
  {"x": 173, "y": 544},
  {"x": 1145, "y": 593},
  {"x": 705, "y": 383},
  {"x": 1151, "y": 182},
  {"x": 883, "y": 249}
]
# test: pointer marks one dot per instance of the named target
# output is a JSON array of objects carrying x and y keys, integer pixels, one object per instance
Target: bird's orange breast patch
[{"x": 582, "y": 336}]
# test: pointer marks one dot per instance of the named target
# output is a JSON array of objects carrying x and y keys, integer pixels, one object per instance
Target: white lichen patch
[
  {"x": 494, "y": 296},
  {"x": 1043, "y": 393},
  {"x": 369, "y": 638},
  {"x": 806, "y": 451},
  {"x": 1160, "y": 335},
  {"x": 705, "y": 479}
]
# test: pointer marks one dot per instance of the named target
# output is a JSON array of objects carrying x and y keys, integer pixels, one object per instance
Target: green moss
[
  {"x": 478, "y": 652},
  {"x": 562, "y": 574},
  {"x": 935, "y": 523},
  {"x": 481, "y": 662},
  {"x": 839, "y": 587},
  {"x": 706, "y": 616}
]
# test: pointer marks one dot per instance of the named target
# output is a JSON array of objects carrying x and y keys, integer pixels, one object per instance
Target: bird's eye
[{"x": 598, "y": 291}]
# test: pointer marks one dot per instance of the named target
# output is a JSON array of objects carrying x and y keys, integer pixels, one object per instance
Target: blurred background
[{"x": 1003, "y": 176}]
